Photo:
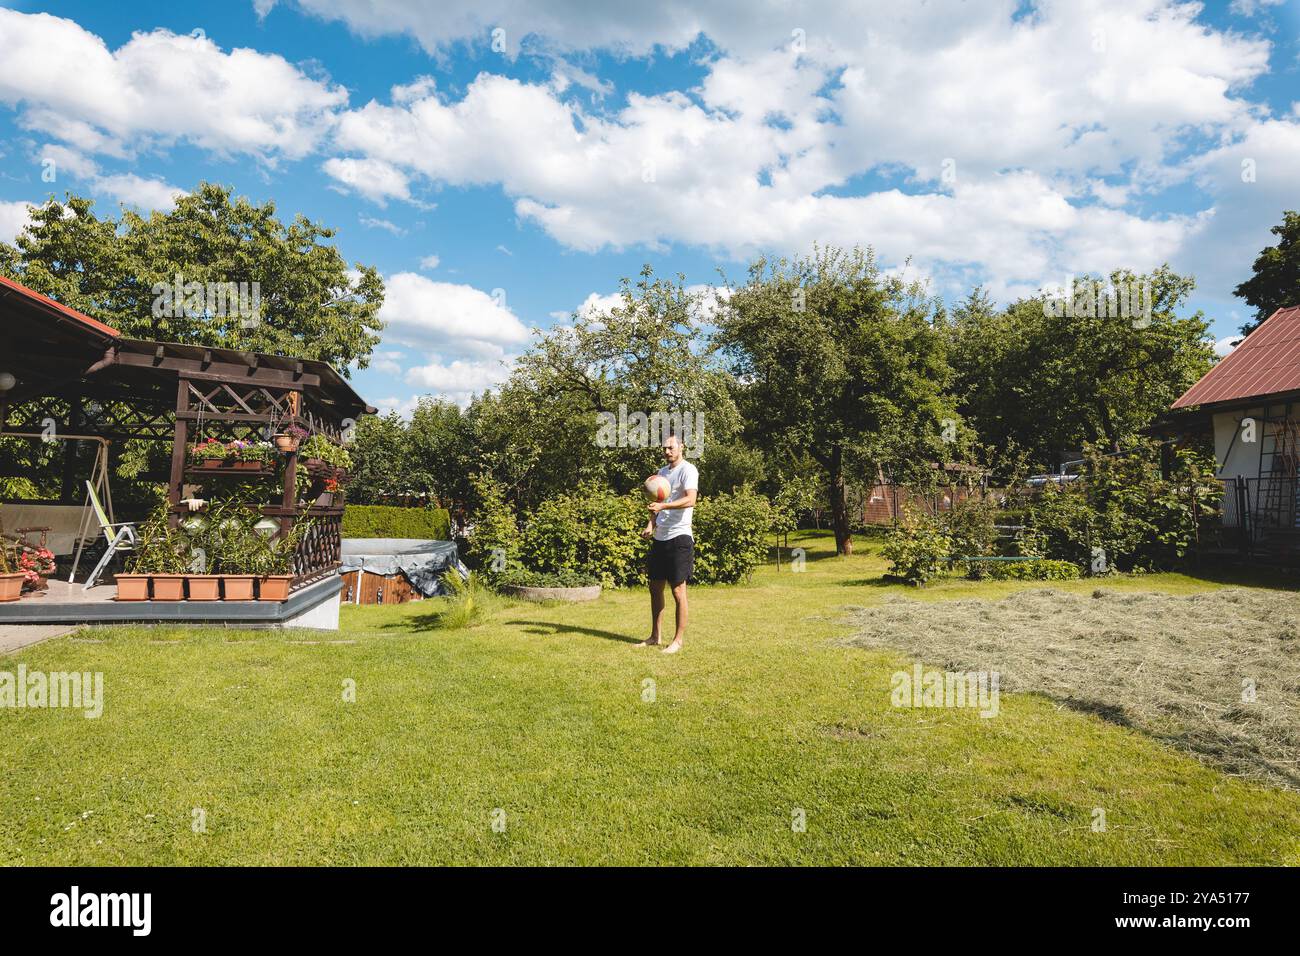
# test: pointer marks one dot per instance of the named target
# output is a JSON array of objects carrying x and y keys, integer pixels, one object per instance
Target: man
[{"x": 672, "y": 549}]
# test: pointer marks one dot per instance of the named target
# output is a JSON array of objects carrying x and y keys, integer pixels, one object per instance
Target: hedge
[
  {"x": 597, "y": 534},
  {"x": 389, "y": 521}
]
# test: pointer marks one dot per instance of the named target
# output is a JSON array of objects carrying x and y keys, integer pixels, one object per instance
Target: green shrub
[
  {"x": 917, "y": 549},
  {"x": 389, "y": 521},
  {"x": 538, "y": 579},
  {"x": 591, "y": 531},
  {"x": 592, "y": 535},
  {"x": 970, "y": 528},
  {"x": 1123, "y": 510},
  {"x": 731, "y": 535},
  {"x": 495, "y": 529},
  {"x": 1045, "y": 570},
  {"x": 468, "y": 605}
]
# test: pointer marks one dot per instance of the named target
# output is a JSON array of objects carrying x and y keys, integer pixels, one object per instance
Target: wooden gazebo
[{"x": 64, "y": 372}]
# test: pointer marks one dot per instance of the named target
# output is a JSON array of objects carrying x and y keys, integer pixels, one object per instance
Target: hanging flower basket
[{"x": 287, "y": 441}]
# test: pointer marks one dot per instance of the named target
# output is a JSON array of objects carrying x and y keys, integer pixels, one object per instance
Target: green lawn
[{"x": 539, "y": 714}]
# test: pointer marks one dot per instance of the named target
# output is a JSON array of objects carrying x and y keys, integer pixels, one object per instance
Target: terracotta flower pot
[
  {"x": 132, "y": 587},
  {"x": 274, "y": 587},
  {"x": 237, "y": 587},
  {"x": 11, "y": 586},
  {"x": 204, "y": 587},
  {"x": 248, "y": 466},
  {"x": 168, "y": 587},
  {"x": 213, "y": 462},
  {"x": 285, "y": 443}
]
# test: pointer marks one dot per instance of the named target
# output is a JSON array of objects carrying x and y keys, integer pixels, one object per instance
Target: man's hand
[
  {"x": 657, "y": 506},
  {"x": 648, "y": 531}
]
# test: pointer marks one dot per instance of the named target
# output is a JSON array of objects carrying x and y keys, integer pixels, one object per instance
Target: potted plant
[
  {"x": 320, "y": 452},
  {"x": 275, "y": 563},
  {"x": 208, "y": 453},
  {"x": 326, "y": 498},
  {"x": 36, "y": 565},
  {"x": 160, "y": 557},
  {"x": 11, "y": 581},
  {"x": 237, "y": 546},
  {"x": 287, "y": 441},
  {"x": 251, "y": 455},
  {"x": 200, "y": 582}
]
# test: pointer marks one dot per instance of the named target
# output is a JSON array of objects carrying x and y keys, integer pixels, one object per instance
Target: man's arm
[{"x": 687, "y": 500}]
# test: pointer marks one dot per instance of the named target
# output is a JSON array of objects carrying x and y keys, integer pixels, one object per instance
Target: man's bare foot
[
  {"x": 673, "y": 648},
  {"x": 648, "y": 642}
]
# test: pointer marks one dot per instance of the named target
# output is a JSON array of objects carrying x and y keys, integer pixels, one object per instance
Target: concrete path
[{"x": 16, "y": 636}]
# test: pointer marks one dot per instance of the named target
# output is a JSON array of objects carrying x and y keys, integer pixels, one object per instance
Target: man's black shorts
[{"x": 672, "y": 560}]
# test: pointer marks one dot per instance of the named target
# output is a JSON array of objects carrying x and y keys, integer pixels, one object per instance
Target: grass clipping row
[{"x": 1182, "y": 669}]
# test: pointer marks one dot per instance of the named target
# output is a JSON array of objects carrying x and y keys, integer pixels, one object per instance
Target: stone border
[{"x": 572, "y": 595}]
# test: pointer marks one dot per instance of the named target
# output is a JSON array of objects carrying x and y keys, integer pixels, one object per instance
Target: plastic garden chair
[{"x": 121, "y": 538}]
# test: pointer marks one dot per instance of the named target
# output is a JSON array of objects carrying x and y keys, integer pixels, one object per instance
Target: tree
[
  {"x": 577, "y": 405},
  {"x": 838, "y": 362},
  {"x": 440, "y": 444},
  {"x": 1046, "y": 380},
  {"x": 1276, "y": 282},
  {"x": 305, "y": 303},
  {"x": 381, "y": 460}
]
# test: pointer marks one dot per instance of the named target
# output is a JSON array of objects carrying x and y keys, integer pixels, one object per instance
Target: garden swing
[{"x": 44, "y": 518}]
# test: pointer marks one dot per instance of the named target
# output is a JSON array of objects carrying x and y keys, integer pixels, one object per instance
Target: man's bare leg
[
  {"x": 679, "y": 598},
  {"x": 656, "y": 611}
]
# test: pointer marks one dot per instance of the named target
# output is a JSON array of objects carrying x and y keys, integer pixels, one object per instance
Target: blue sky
[{"x": 503, "y": 163}]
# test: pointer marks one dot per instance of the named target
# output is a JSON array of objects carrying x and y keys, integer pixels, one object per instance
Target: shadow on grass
[
  {"x": 553, "y": 630},
  {"x": 428, "y": 621},
  {"x": 1243, "y": 575},
  {"x": 1111, "y": 713}
]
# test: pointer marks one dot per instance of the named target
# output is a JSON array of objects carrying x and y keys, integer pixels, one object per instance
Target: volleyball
[{"x": 657, "y": 488}]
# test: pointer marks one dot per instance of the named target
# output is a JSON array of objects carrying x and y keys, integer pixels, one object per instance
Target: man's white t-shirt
[{"x": 673, "y": 522}]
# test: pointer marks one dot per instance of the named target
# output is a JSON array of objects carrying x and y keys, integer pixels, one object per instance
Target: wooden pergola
[{"x": 72, "y": 374}]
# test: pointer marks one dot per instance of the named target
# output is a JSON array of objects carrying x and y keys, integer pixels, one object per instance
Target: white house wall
[{"x": 1240, "y": 458}]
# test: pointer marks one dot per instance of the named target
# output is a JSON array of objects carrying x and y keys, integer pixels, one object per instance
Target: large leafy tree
[
  {"x": 840, "y": 363},
  {"x": 542, "y": 433},
  {"x": 1034, "y": 378},
  {"x": 1276, "y": 282},
  {"x": 311, "y": 304},
  {"x": 381, "y": 460}
]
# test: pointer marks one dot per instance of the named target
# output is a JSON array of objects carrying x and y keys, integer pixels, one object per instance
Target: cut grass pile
[{"x": 1216, "y": 674}]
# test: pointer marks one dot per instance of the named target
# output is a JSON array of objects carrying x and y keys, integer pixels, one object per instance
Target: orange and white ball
[{"x": 657, "y": 488}]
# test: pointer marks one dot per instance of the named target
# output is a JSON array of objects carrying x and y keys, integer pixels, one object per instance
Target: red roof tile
[
  {"x": 34, "y": 296},
  {"x": 1266, "y": 363}
]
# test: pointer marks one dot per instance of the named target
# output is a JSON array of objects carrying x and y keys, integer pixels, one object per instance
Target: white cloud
[
  {"x": 1253, "y": 176},
  {"x": 594, "y": 305},
  {"x": 372, "y": 178},
  {"x": 370, "y": 222},
  {"x": 1225, "y": 345},
  {"x": 1006, "y": 163},
  {"x": 387, "y": 361},
  {"x": 430, "y": 262},
  {"x": 133, "y": 190},
  {"x": 158, "y": 89},
  {"x": 451, "y": 319},
  {"x": 459, "y": 380},
  {"x": 13, "y": 219},
  {"x": 404, "y": 407}
]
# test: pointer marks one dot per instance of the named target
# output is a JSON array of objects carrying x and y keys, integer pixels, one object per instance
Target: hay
[{"x": 1171, "y": 667}]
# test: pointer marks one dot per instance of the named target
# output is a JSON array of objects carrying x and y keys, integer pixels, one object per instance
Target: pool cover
[{"x": 423, "y": 562}]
